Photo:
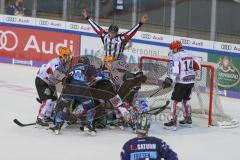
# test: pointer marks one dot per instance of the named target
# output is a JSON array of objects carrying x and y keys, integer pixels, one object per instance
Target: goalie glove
[{"x": 167, "y": 83}]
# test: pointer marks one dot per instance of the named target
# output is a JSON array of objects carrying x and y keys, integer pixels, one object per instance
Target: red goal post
[{"x": 210, "y": 67}]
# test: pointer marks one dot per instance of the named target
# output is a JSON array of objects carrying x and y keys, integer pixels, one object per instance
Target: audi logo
[
  {"x": 74, "y": 26},
  {"x": 11, "y": 19},
  {"x": 44, "y": 23},
  {"x": 146, "y": 36},
  {"x": 226, "y": 47},
  {"x": 185, "y": 41},
  {"x": 5, "y": 38}
]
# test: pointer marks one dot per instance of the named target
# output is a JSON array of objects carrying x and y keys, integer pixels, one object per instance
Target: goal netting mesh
[{"x": 205, "y": 101}]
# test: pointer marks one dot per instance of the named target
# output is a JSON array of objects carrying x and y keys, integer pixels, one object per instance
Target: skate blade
[
  {"x": 111, "y": 127},
  {"x": 122, "y": 127},
  {"x": 186, "y": 125},
  {"x": 170, "y": 128},
  {"x": 57, "y": 132},
  {"x": 41, "y": 126},
  {"x": 91, "y": 133},
  {"x": 88, "y": 132}
]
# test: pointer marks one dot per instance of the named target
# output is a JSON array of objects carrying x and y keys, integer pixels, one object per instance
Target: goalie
[{"x": 182, "y": 70}]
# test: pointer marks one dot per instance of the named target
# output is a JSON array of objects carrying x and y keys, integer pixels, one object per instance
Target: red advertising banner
[{"x": 33, "y": 44}]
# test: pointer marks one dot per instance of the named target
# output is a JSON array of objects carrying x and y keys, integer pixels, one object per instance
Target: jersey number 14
[{"x": 188, "y": 65}]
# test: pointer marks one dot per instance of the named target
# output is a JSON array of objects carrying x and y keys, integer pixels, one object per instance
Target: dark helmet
[
  {"x": 84, "y": 60},
  {"x": 113, "y": 28},
  {"x": 91, "y": 71},
  {"x": 143, "y": 124}
]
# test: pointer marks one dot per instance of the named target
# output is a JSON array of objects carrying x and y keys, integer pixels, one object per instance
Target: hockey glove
[
  {"x": 67, "y": 80},
  {"x": 167, "y": 83},
  {"x": 143, "y": 77}
]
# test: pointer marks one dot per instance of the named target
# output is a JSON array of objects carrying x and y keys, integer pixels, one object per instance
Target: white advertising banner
[
  {"x": 227, "y": 47},
  {"x": 19, "y": 20},
  {"x": 93, "y": 46},
  {"x": 154, "y": 37},
  {"x": 1, "y": 17},
  {"x": 78, "y": 27},
  {"x": 139, "y": 49},
  {"x": 50, "y": 23},
  {"x": 198, "y": 43},
  {"x": 144, "y": 36}
]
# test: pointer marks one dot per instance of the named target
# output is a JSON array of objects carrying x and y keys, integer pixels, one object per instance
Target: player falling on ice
[
  {"x": 145, "y": 147},
  {"x": 47, "y": 77},
  {"x": 82, "y": 74},
  {"x": 114, "y": 43},
  {"x": 182, "y": 70}
]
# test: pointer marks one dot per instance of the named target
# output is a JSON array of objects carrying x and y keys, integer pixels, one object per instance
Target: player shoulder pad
[{"x": 176, "y": 56}]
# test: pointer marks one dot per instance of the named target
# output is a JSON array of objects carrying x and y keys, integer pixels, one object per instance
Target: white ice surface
[{"x": 17, "y": 100}]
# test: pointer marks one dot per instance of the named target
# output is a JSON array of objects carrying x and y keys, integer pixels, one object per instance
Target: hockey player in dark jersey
[
  {"x": 82, "y": 74},
  {"x": 144, "y": 147},
  {"x": 114, "y": 43}
]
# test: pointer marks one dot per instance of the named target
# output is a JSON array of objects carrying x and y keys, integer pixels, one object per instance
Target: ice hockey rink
[{"x": 17, "y": 92}]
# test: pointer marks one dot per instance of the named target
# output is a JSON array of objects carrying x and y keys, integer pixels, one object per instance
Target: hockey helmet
[
  {"x": 63, "y": 51},
  {"x": 175, "y": 45},
  {"x": 113, "y": 28},
  {"x": 84, "y": 60},
  {"x": 91, "y": 71},
  {"x": 143, "y": 124}
]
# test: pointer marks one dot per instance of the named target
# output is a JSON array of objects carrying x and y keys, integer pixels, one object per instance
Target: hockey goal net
[{"x": 205, "y": 101}]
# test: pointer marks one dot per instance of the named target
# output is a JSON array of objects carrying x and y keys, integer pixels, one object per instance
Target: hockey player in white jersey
[
  {"x": 182, "y": 71},
  {"x": 47, "y": 77}
]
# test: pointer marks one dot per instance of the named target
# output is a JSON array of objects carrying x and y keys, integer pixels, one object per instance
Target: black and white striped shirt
[{"x": 114, "y": 46}]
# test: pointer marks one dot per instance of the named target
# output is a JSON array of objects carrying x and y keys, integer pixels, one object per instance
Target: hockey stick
[
  {"x": 157, "y": 109},
  {"x": 22, "y": 124},
  {"x": 160, "y": 88},
  {"x": 151, "y": 112},
  {"x": 38, "y": 100}
]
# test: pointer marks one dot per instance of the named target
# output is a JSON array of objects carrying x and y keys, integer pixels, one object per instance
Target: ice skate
[
  {"x": 41, "y": 122},
  {"x": 172, "y": 125},
  {"x": 89, "y": 129},
  {"x": 57, "y": 128},
  {"x": 187, "y": 122}
]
